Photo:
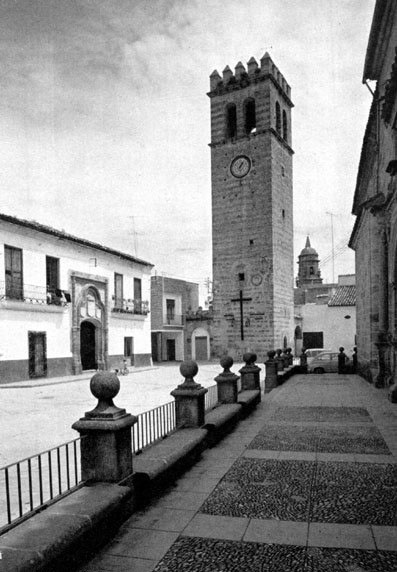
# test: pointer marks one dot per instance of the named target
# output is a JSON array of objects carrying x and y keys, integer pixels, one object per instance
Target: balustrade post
[
  {"x": 290, "y": 357},
  {"x": 189, "y": 398},
  {"x": 227, "y": 382},
  {"x": 106, "y": 450},
  {"x": 250, "y": 373},
  {"x": 271, "y": 372}
]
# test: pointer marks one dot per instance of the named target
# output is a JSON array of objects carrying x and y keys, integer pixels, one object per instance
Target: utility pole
[{"x": 332, "y": 242}]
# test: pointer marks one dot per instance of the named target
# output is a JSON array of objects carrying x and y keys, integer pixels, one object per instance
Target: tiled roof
[
  {"x": 65, "y": 236},
  {"x": 343, "y": 296}
]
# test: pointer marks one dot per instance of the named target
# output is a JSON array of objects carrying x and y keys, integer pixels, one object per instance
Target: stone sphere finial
[
  {"x": 226, "y": 362},
  {"x": 104, "y": 386},
  {"x": 189, "y": 369},
  {"x": 271, "y": 354},
  {"x": 247, "y": 357},
  {"x": 253, "y": 358}
]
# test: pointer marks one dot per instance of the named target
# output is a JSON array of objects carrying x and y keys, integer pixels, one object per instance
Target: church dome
[{"x": 308, "y": 250}]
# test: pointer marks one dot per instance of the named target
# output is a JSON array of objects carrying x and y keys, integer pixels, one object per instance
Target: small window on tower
[
  {"x": 285, "y": 126},
  {"x": 278, "y": 118},
  {"x": 311, "y": 270},
  {"x": 241, "y": 276},
  {"x": 231, "y": 121},
  {"x": 249, "y": 116}
]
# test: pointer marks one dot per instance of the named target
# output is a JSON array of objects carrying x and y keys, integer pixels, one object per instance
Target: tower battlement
[{"x": 253, "y": 73}]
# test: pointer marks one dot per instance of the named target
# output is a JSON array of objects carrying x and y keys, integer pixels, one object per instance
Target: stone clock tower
[{"x": 252, "y": 231}]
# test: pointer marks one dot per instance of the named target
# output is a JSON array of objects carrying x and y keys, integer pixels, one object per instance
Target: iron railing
[
  {"x": 35, "y": 482},
  {"x": 31, "y": 294},
  {"x": 159, "y": 422},
  {"x": 32, "y": 483},
  {"x": 211, "y": 397},
  {"x": 153, "y": 425},
  {"x": 173, "y": 320},
  {"x": 130, "y": 306}
]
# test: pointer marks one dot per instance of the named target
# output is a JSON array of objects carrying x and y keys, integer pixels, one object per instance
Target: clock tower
[{"x": 252, "y": 229}]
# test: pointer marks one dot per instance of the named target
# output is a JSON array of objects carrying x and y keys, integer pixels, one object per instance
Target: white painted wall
[
  {"x": 338, "y": 331},
  {"x": 24, "y": 317}
]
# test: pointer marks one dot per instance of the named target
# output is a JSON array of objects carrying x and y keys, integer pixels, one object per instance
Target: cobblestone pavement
[{"x": 307, "y": 483}]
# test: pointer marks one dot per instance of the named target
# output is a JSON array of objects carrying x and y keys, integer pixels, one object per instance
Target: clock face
[{"x": 240, "y": 166}]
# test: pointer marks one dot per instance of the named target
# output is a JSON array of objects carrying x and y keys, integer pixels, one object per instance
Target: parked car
[
  {"x": 325, "y": 362},
  {"x": 314, "y": 352}
]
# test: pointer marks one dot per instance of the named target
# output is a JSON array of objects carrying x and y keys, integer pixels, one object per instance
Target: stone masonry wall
[{"x": 252, "y": 227}]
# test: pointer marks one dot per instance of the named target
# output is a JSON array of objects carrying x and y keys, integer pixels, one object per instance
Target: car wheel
[{"x": 318, "y": 370}]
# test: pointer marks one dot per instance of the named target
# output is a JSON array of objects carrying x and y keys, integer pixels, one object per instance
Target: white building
[
  {"x": 329, "y": 322},
  {"x": 68, "y": 304}
]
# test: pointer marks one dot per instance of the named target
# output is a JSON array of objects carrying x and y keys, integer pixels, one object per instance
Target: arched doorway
[
  {"x": 90, "y": 336},
  {"x": 88, "y": 350}
]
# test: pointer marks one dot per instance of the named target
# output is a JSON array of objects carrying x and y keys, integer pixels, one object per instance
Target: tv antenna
[
  {"x": 332, "y": 243},
  {"x": 135, "y": 234}
]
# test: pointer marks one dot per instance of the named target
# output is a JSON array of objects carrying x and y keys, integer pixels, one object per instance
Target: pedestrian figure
[
  {"x": 303, "y": 361},
  {"x": 354, "y": 357},
  {"x": 342, "y": 357}
]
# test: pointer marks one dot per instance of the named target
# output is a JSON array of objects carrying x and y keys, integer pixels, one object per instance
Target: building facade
[
  {"x": 325, "y": 314},
  {"x": 374, "y": 236},
  {"x": 330, "y": 321},
  {"x": 252, "y": 226},
  {"x": 171, "y": 300},
  {"x": 199, "y": 334},
  {"x": 68, "y": 304}
]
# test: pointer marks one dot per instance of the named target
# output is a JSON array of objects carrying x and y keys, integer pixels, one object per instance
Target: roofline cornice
[
  {"x": 71, "y": 238},
  {"x": 381, "y": 29}
]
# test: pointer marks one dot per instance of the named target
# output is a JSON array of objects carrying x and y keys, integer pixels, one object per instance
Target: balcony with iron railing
[
  {"x": 130, "y": 306},
  {"x": 31, "y": 294},
  {"x": 173, "y": 320}
]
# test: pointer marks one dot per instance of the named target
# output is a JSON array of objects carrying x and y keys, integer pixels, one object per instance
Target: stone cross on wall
[{"x": 241, "y": 300}]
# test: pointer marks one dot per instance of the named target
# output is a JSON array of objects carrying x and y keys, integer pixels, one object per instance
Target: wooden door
[
  {"x": 171, "y": 354},
  {"x": 201, "y": 348},
  {"x": 37, "y": 354},
  {"x": 87, "y": 346}
]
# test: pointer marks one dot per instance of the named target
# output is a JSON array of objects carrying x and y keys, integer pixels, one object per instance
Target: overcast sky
[{"x": 105, "y": 121}]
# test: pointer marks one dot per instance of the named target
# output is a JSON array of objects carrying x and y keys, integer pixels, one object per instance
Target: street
[{"x": 34, "y": 419}]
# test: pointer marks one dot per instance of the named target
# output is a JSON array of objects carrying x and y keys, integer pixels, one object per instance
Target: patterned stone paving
[
  {"x": 207, "y": 555},
  {"x": 331, "y": 439},
  {"x": 355, "y": 493},
  {"x": 263, "y": 489},
  {"x": 322, "y": 414}
]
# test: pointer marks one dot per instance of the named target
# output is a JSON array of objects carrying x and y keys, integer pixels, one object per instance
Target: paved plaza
[{"x": 307, "y": 483}]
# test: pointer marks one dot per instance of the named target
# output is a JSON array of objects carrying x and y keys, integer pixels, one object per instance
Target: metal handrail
[
  {"x": 211, "y": 397},
  {"x": 152, "y": 426},
  {"x": 38, "y": 480},
  {"x": 130, "y": 306},
  {"x": 31, "y": 294}
]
